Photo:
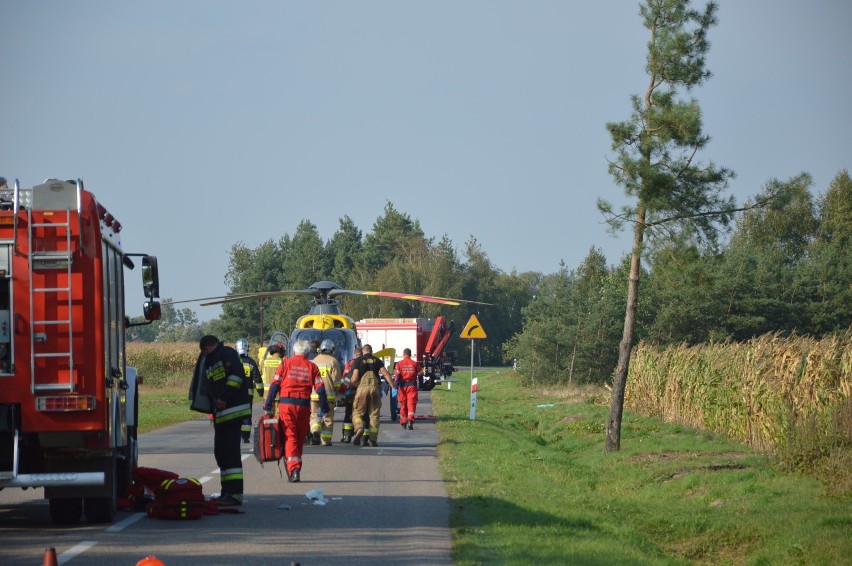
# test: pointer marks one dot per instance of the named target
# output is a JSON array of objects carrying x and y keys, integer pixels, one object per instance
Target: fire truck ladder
[{"x": 45, "y": 261}]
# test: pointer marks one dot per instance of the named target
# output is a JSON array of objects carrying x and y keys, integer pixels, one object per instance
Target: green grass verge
[
  {"x": 163, "y": 407},
  {"x": 533, "y": 485},
  {"x": 164, "y": 402}
]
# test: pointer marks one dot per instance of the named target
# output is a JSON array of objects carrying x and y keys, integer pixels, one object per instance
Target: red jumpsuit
[
  {"x": 405, "y": 375},
  {"x": 296, "y": 377}
]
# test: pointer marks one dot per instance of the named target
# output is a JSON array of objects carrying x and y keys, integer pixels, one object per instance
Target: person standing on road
[
  {"x": 406, "y": 373},
  {"x": 255, "y": 382},
  {"x": 271, "y": 360},
  {"x": 314, "y": 349},
  {"x": 392, "y": 395},
  {"x": 229, "y": 397},
  {"x": 295, "y": 378},
  {"x": 348, "y": 391},
  {"x": 322, "y": 428},
  {"x": 366, "y": 373}
]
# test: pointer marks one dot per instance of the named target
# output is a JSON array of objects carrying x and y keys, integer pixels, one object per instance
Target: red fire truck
[
  {"x": 427, "y": 339},
  {"x": 68, "y": 401}
]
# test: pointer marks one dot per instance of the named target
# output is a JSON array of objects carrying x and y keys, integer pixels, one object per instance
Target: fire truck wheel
[
  {"x": 128, "y": 461},
  {"x": 100, "y": 509},
  {"x": 66, "y": 510},
  {"x": 103, "y": 509}
]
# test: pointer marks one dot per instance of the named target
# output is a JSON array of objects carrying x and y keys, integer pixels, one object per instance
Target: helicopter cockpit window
[{"x": 344, "y": 340}]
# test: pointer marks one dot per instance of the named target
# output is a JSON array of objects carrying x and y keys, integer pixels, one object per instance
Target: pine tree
[{"x": 656, "y": 157}]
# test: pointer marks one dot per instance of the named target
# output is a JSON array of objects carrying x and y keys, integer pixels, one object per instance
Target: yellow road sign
[{"x": 473, "y": 330}]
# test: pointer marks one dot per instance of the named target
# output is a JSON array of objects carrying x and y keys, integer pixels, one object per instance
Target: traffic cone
[
  {"x": 50, "y": 557},
  {"x": 151, "y": 561}
]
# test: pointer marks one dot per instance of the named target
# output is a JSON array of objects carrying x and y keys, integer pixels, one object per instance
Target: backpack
[
  {"x": 268, "y": 439},
  {"x": 181, "y": 498}
]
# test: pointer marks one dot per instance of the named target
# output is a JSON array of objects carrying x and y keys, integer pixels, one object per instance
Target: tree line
[
  {"x": 395, "y": 255},
  {"x": 786, "y": 268}
]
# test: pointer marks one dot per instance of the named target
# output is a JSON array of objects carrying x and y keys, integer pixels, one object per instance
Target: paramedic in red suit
[
  {"x": 405, "y": 376},
  {"x": 294, "y": 380}
]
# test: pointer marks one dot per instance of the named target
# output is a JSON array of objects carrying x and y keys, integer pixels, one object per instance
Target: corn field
[
  {"x": 159, "y": 361},
  {"x": 773, "y": 393}
]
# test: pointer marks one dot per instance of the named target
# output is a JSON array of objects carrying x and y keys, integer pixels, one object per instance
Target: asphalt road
[{"x": 384, "y": 505}]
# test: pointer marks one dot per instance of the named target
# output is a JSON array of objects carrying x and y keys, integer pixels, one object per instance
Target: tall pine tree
[{"x": 656, "y": 157}]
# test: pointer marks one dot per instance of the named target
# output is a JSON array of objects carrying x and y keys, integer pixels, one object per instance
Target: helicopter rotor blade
[
  {"x": 322, "y": 291},
  {"x": 237, "y": 295},
  {"x": 258, "y": 295},
  {"x": 406, "y": 296}
]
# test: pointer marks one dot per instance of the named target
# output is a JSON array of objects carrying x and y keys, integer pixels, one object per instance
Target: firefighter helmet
[
  {"x": 327, "y": 346},
  {"x": 242, "y": 347}
]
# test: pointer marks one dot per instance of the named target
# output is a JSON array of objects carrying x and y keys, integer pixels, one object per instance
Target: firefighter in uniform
[
  {"x": 348, "y": 392},
  {"x": 329, "y": 367},
  {"x": 405, "y": 376},
  {"x": 255, "y": 383},
  {"x": 228, "y": 391},
  {"x": 295, "y": 378},
  {"x": 366, "y": 373},
  {"x": 271, "y": 360}
]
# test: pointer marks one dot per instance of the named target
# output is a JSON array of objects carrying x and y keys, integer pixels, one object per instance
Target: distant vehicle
[{"x": 426, "y": 338}]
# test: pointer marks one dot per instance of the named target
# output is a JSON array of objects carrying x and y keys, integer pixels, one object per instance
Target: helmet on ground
[
  {"x": 242, "y": 347},
  {"x": 327, "y": 346}
]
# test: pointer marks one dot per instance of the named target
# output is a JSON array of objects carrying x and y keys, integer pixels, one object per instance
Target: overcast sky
[{"x": 202, "y": 123}]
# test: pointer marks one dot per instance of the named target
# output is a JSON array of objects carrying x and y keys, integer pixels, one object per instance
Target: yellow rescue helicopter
[{"x": 324, "y": 321}]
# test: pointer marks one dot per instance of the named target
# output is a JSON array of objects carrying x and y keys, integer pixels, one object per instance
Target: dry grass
[{"x": 594, "y": 394}]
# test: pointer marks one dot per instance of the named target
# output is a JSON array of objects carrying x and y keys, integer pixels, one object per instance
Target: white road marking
[
  {"x": 75, "y": 551},
  {"x": 125, "y": 523}
]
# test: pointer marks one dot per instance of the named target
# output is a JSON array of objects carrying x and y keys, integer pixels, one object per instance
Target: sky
[{"x": 203, "y": 123}]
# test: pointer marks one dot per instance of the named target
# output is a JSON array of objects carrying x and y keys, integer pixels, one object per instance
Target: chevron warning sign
[{"x": 473, "y": 330}]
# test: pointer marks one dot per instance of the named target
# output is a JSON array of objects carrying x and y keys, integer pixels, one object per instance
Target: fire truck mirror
[
  {"x": 151, "y": 310},
  {"x": 150, "y": 278}
]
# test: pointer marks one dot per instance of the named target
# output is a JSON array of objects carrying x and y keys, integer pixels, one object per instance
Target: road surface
[{"x": 384, "y": 505}]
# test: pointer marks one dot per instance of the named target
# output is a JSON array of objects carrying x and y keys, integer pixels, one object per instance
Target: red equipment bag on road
[
  {"x": 181, "y": 498},
  {"x": 152, "y": 477},
  {"x": 142, "y": 492},
  {"x": 268, "y": 439}
]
